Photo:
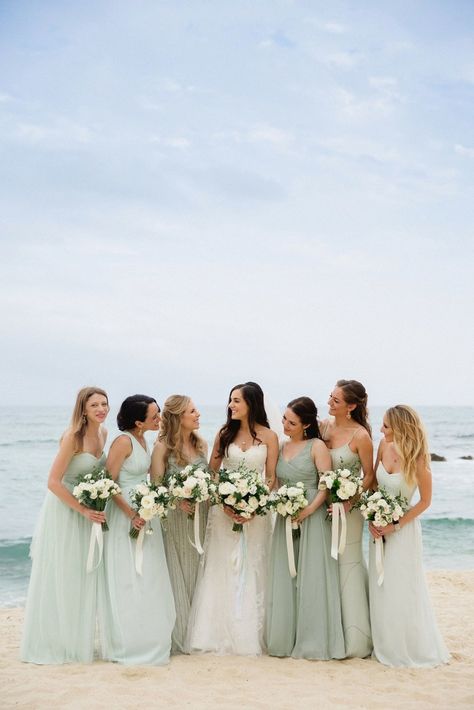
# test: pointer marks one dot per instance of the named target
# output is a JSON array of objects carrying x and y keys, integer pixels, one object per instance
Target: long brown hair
[
  {"x": 170, "y": 429},
  {"x": 78, "y": 419},
  {"x": 354, "y": 393},
  {"x": 252, "y": 395}
]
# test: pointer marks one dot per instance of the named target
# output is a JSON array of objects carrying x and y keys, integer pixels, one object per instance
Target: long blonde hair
[
  {"x": 170, "y": 429},
  {"x": 78, "y": 419},
  {"x": 410, "y": 439}
]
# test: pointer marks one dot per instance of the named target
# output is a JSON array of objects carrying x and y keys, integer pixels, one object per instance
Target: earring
[
  {"x": 305, "y": 434},
  {"x": 84, "y": 419},
  {"x": 348, "y": 415}
]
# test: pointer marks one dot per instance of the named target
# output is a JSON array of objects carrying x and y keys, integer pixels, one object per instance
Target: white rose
[
  {"x": 344, "y": 473},
  {"x": 142, "y": 489},
  {"x": 263, "y": 500},
  {"x": 148, "y": 502},
  {"x": 281, "y": 509},
  {"x": 293, "y": 491},
  {"x": 230, "y": 500},
  {"x": 282, "y": 491},
  {"x": 253, "y": 503},
  {"x": 146, "y": 513},
  {"x": 375, "y": 496}
]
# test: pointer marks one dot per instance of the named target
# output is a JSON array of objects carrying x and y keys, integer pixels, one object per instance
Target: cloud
[{"x": 463, "y": 150}]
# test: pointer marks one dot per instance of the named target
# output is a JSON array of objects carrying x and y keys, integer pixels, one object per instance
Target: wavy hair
[
  {"x": 78, "y": 425},
  {"x": 252, "y": 394},
  {"x": 170, "y": 429},
  {"x": 306, "y": 410},
  {"x": 409, "y": 437},
  {"x": 354, "y": 393}
]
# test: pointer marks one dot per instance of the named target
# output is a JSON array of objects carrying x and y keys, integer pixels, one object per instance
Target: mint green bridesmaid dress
[
  {"x": 61, "y": 607},
  {"x": 303, "y": 617},
  {"x": 403, "y": 622},
  {"x": 353, "y": 571},
  {"x": 183, "y": 559},
  {"x": 136, "y": 612}
]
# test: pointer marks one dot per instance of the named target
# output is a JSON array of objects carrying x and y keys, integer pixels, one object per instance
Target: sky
[{"x": 196, "y": 194}]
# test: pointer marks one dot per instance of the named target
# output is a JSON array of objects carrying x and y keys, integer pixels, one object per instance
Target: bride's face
[
  {"x": 292, "y": 425},
  {"x": 238, "y": 406}
]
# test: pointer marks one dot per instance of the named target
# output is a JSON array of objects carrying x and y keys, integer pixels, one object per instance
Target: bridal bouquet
[
  {"x": 193, "y": 483},
  {"x": 382, "y": 508},
  {"x": 94, "y": 490},
  {"x": 288, "y": 501},
  {"x": 149, "y": 500},
  {"x": 244, "y": 492},
  {"x": 342, "y": 485}
]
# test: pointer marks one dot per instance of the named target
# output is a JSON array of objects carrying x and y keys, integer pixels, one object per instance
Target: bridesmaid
[
  {"x": 404, "y": 628},
  {"x": 136, "y": 612},
  {"x": 304, "y": 614},
  {"x": 61, "y": 609},
  {"x": 349, "y": 439},
  {"x": 177, "y": 446}
]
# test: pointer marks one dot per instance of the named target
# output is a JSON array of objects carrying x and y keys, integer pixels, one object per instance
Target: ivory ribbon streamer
[
  {"x": 289, "y": 546},
  {"x": 96, "y": 537},
  {"x": 139, "y": 551},
  {"x": 338, "y": 512},
  {"x": 379, "y": 559},
  {"x": 239, "y": 557},
  {"x": 197, "y": 536}
]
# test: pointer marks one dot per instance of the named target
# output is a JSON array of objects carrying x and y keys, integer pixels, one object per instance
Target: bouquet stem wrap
[
  {"x": 289, "y": 546},
  {"x": 239, "y": 557},
  {"x": 139, "y": 551},
  {"x": 338, "y": 512},
  {"x": 96, "y": 537},
  {"x": 379, "y": 560}
]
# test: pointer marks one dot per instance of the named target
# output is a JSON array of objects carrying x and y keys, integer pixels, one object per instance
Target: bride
[{"x": 227, "y": 615}]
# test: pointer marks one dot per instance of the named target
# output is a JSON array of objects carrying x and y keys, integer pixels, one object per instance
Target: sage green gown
[
  {"x": 183, "y": 559},
  {"x": 304, "y": 614},
  {"x": 136, "y": 612},
  {"x": 353, "y": 571},
  {"x": 61, "y": 607}
]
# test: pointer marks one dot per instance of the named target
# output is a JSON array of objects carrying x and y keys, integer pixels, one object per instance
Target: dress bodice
[
  {"x": 173, "y": 467},
  {"x": 136, "y": 466},
  {"x": 344, "y": 457},
  {"x": 299, "y": 468},
  {"x": 254, "y": 457},
  {"x": 79, "y": 465},
  {"x": 394, "y": 483}
]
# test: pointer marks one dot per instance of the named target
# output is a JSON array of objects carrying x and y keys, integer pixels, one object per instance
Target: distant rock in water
[
  {"x": 466, "y": 458},
  {"x": 436, "y": 457}
]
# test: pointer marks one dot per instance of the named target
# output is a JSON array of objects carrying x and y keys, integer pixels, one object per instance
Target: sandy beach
[{"x": 230, "y": 681}]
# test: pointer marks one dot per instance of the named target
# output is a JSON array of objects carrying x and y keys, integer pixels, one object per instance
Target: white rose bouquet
[
  {"x": 244, "y": 492},
  {"x": 382, "y": 508},
  {"x": 342, "y": 485},
  {"x": 93, "y": 490},
  {"x": 194, "y": 484},
  {"x": 149, "y": 500},
  {"x": 287, "y": 501}
]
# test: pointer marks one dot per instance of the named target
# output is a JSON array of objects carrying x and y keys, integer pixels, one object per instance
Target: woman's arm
[
  {"x": 424, "y": 480},
  {"x": 120, "y": 450},
  {"x": 365, "y": 451},
  {"x": 271, "y": 440},
  {"x": 322, "y": 460},
  {"x": 216, "y": 459},
  {"x": 55, "y": 484},
  {"x": 158, "y": 465}
]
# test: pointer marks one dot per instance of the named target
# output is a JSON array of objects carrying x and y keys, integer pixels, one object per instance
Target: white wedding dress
[{"x": 227, "y": 614}]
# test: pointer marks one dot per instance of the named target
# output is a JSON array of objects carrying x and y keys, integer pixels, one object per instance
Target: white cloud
[{"x": 463, "y": 150}]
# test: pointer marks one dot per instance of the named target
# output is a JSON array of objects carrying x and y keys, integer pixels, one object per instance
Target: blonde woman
[
  {"x": 179, "y": 445},
  {"x": 60, "y": 617},
  {"x": 404, "y": 629}
]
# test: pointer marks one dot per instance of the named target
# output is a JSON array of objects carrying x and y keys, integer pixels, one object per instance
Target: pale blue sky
[{"x": 199, "y": 193}]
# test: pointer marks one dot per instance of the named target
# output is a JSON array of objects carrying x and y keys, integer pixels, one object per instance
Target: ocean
[{"x": 29, "y": 440}]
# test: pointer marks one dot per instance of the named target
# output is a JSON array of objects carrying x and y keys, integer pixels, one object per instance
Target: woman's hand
[
  {"x": 235, "y": 517},
  {"x": 302, "y": 515},
  {"x": 347, "y": 506},
  {"x": 380, "y": 532},
  {"x": 138, "y": 522},
  {"x": 95, "y": 516},
  {"x": 187, "y": 506}
]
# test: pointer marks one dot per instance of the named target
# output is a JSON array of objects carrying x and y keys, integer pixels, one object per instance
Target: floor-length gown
[
  {"x": 227, "y": 614},
  {"x": 304, "y": 614},
  {"x": 182, "y": 557},
  {"x": 61, "y": 607},
  {"x": 353, "y": 571},
  {"x": 404, "y": 627},
  {"x": 136, "y": 612}
]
